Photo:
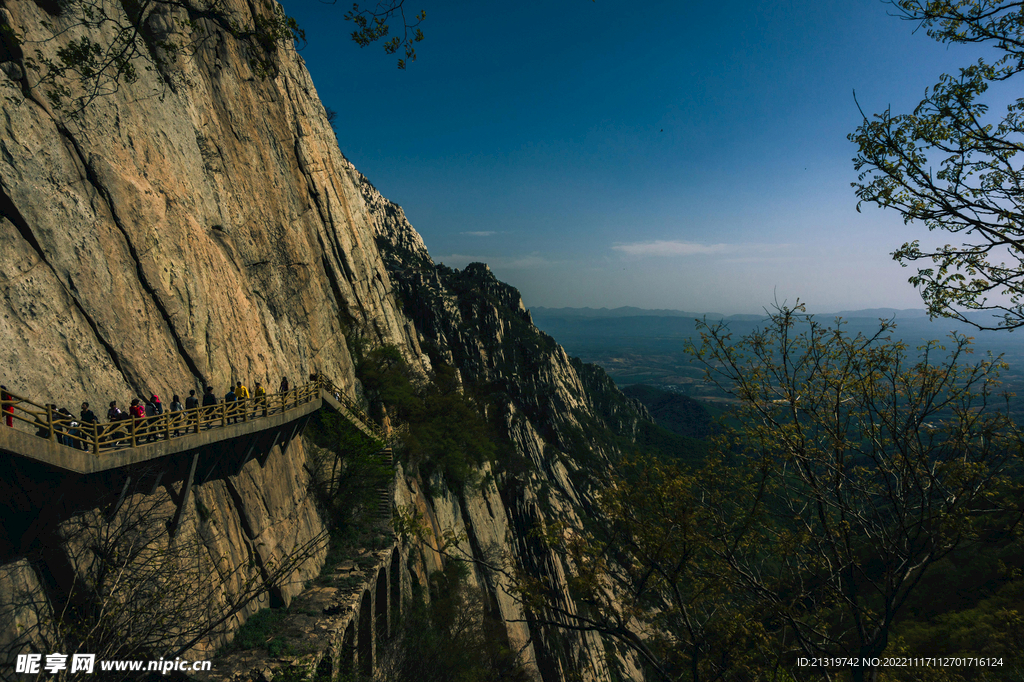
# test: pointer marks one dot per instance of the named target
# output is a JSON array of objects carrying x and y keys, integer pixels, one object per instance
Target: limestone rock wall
[
  {"x": 200, "y": 226},
  {"x": 254, "y": 529},
  {"x": 197, "y": 226}
]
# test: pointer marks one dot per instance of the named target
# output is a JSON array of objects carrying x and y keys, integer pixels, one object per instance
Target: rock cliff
[
  {"x": 174, "y": 236},
  {"x": 199, "y": 226}
]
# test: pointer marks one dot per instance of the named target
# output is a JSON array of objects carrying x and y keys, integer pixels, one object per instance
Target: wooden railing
[
  {"x": 328, "y": 386},
  {"x": 131, "y": 432}
]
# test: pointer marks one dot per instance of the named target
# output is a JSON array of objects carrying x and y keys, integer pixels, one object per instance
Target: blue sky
[{"x": 661, "y": 155}]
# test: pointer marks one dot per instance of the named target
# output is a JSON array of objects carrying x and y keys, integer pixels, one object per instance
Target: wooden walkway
[{"x": 41, "y": 433}]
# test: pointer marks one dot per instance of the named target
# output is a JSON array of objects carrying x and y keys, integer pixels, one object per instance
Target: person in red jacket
[{"x": 137, "y": 410}]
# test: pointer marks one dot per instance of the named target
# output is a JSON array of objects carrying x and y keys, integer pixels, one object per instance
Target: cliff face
[
  {"x": 180, "y": 234},
  {"x": 197, "y": 226},
  {"x": 562, "y": 418},
  {"x": 201, "y": 226}
]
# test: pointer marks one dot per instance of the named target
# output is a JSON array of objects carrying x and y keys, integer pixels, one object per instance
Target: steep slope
[
  {"x": 562, "y": 418},
  {"x": 180, "y": 234},
  {"x": 200, "y": 226},
  {"x": 196, "y": 226}
]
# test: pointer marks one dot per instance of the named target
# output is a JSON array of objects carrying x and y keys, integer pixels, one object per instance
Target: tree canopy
[{"x": 954, "y": 165}]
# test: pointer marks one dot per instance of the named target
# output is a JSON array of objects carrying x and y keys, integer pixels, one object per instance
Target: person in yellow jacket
[
  {"x": 242, "y": 395},
  {"x": 261, "y": 399}
]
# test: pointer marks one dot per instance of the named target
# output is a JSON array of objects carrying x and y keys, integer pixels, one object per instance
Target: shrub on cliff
[
  {"x": 442, "y": 428},
  {"x": 348, "y": 472}
]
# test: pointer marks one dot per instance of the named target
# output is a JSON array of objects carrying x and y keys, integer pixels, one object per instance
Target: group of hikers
[{"x": 143, "y": 414}]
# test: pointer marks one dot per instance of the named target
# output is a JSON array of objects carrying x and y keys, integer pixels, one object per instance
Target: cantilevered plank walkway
[{"x": 119, "y": 444}]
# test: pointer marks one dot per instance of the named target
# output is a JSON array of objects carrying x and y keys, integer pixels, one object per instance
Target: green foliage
[
  {"x": 992, "y": 628},
  {"x": 955, "y": 168},
  {"x": 442, "y": 427},
  {"x": 857, "y": 475},
  {"x": 860, "y": 465},
  {"x": 372, "y": 25},
  {"x": 348, "y": 471},
  {"x": 262, "y": 631}
]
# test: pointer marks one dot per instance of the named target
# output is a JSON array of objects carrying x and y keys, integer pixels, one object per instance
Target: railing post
[
  {"x": 49, "y": 422},
  {"x": 135, "y": 421},
  {"x": 199, "y": 416},
  {"x": 223, "y": 413},
  {"x": 167, "y": 425},
  {"x": 245, "y": 410},
  {"x": 95, "y": 439}
]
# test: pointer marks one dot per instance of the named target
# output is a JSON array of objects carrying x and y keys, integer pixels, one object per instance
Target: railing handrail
[{"x": 120, "y": 434}]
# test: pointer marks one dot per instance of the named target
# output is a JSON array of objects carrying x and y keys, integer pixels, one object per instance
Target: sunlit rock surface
[{"x": 200, "y": 226}]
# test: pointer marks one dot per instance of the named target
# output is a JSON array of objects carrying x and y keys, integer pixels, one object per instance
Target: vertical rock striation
[
  {"x": 561, "y": 416},
  {"x": 200, "y": 226},
  {"x": 180, "y": 234}
]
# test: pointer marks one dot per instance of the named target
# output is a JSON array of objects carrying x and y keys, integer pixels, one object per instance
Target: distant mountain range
[
  {"x": 631, "y": 311},
  {"x": 579, "y": 328}
]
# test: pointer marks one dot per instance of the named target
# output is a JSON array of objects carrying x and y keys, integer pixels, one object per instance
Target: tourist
[
  {"x": 138, "y": 414},
  {"x": 209, "y": 405},
  {"x": 71, "y": 436},
  {"x": 150, "y": 419},
  {"x": 113, "y": 415},
  {"x": 89, "y": 424},
  {"x": 176, "y": 407},
  {"x": 191, "y": 407},
  {"x": 229, "y": 405},
  {"x": 158, "y": 409},
  {"x": 261, "y": 399},
  {"x": 88, "y": 416},
  {"x": 242, "y": 393}
]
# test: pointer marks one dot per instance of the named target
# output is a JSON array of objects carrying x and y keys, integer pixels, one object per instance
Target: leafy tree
[
  {"x": 956, "y": 168},
  {"x": 860, "y": 465},
  {"x": 854, "y": 466},
  {"x": 441, "y": 426},
  {"x": 348, "y": 472},
  {"x": 372, "y": 25}
]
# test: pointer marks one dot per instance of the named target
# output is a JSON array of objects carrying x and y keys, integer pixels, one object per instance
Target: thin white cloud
[
  {"x": 487, "y": 233},
  {"x": 671, "y": 248},
  {"x": 742, "y": 252}
]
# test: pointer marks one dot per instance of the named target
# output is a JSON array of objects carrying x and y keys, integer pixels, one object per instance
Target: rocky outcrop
[
  {"x": 199, "y": 226},
  {"x": 196, "y": 226},
  {"x": 176, "y": 235},
  {"x": 562, "y": 418}
]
